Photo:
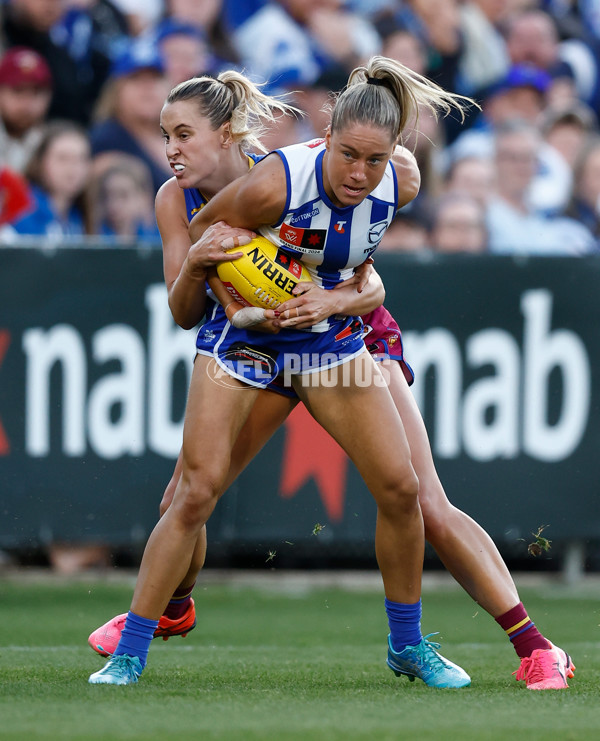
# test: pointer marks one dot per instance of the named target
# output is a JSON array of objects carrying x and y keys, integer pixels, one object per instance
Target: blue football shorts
[{"x": 269, "y": 360}]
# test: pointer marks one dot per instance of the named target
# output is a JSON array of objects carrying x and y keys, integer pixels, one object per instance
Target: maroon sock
[
  {"x": 523, "y": 634},
  {"x": 179, "y": 602}
]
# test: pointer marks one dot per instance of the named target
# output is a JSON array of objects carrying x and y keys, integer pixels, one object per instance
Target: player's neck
[{"x": 233, "y": 167}]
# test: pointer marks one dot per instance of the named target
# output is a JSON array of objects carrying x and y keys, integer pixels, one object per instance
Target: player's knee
[
  {"x": 197, "y": 495},
  {"x": 434, "y": 506},
  {"x": 400, "y": 493},
  {"x": 167, "y": 496}
]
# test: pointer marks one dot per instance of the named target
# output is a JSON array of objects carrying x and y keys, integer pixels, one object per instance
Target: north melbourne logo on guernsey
[{"x": 303, "y": 240}]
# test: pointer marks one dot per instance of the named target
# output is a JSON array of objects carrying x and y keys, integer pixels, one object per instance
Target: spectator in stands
[
  {"x": 30, "y": 23},
  {"x": 532, "y": 38},
  {"x": 315, "y": 101},
  {"x": 485, "y": 57},
  {"x": 128, "y": 111},
  {"x": 402, "y": 44},
  {"x": 442, "y": 23},
  {"x": 458, "y": 225},
  {"x": 475, "y": 176},
  {"x": 521, "y": 95},
  {"x": 140, "y": 15},
  {"x": 183, "y": 49},
  {"x": 291, "y": 43},
  {"x": 25, "y": 92},
  {"x": 438, "y": 22},
  {"x": 567, "y": 129},
  {"x": 408, "y": 232},
  {"x": 208, "y": 17},
  {"x": 58, "y": 172},
  {"x": 426, "y": 36},
  {"x": 585, "y": 204},
  {"x": 300, "y": 46},
  {"x": 89, "y": 27},
  {"x": 426, "y": 139},
  {"x": 514, "y": 227},
  {"x": 122, "y": 202}
]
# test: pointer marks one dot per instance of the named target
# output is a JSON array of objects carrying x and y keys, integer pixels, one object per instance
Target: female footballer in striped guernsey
[{"x": 465, "y": 548}]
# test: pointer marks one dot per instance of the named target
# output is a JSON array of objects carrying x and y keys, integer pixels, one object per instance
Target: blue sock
[
  {"x": 405, "y": 624},
  {"x": 136, "y": 637}
]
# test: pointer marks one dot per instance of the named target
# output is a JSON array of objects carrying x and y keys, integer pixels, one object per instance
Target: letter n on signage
[{"x": 4, "y": 343}]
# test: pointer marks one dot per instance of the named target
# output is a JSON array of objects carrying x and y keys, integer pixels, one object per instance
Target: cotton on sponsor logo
[{"x": 303, "y": 217}]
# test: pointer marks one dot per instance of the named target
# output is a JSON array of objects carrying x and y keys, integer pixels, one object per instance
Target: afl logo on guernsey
[
  {"x": 311, "y": 241},
  {"x": 376, "y": 232}
]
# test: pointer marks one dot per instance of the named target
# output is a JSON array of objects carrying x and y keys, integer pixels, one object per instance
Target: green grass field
[{"x": 267, "y": 664}]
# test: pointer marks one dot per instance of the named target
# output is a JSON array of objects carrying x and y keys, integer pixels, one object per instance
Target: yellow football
[{"x": 264, "y": 276}]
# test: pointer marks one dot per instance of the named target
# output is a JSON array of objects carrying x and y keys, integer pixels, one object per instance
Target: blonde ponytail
[
  {"x": 233, "y": 97},
  {"x": 388, "y": 94}
]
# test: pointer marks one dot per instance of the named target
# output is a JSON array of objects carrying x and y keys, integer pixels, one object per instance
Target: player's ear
[
  {"x": 328, "y": 137},
  {"x": 226, "y": 137}
]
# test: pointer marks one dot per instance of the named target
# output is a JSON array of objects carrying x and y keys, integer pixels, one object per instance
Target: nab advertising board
[{"x": 94, "y": 374}]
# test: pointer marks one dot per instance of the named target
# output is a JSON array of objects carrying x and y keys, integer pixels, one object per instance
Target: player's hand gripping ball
[{"x": 265, "y": 276}]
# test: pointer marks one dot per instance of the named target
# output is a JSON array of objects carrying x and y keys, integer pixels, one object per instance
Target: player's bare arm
[
  {"x": 250, "y": 194},
  {"x": 362, "y": 274},
  {"x": 408, "y": 174},
  {"x": 187, "y": 297},
  {"x": 185, "y": 265},
  {"x": 250, "y": 201},
  {"x": 315, "y": 303}
]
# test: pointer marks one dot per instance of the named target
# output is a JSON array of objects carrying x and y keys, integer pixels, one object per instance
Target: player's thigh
[
  {"x": 362, "y": 418},
  {"x": 269, "y": 412},
  {"x": 416, "y": 432},
  {"x": 214, "y": 416}
]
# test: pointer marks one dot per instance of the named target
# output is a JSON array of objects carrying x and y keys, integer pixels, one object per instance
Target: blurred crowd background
[{"x": 82, "y": 83}]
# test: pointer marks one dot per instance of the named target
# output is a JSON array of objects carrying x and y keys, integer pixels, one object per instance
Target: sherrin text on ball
[{"x": 264, "y": 276}]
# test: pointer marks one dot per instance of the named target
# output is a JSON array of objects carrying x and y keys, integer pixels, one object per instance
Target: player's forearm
[
  {"x": 352, "y": 303},
  {"x": 187, "y": 299},
  {"x": 198, "y": 225}
]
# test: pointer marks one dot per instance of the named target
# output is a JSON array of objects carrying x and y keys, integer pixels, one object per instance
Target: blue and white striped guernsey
[{"x": 330, "y": 241}]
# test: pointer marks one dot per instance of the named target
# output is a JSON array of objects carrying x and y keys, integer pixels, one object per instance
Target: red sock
[
  {"x": 179, "y": 602},
  {"x": 523, "y": 634}
]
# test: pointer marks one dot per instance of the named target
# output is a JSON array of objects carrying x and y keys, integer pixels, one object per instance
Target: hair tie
[{"x": 375, "y": 81}]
